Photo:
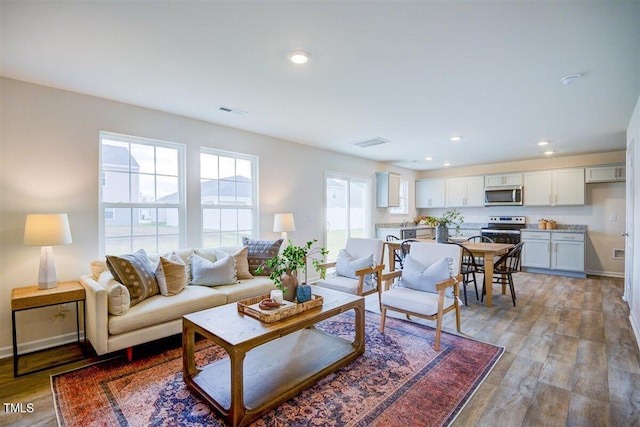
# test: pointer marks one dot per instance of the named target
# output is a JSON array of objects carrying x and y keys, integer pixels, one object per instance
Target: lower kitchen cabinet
[{"x": 553, "y": 252}]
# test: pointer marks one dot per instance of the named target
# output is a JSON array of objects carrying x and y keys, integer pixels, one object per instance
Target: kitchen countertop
[
  {"x": 412, "y": 226},
  {"x": 565, "y": 228}
]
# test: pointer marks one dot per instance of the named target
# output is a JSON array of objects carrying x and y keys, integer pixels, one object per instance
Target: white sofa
[{"x": 157, "y": 316}]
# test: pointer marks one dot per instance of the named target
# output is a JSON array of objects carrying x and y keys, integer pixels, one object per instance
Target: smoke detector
[{"x": 571, "y": 78}]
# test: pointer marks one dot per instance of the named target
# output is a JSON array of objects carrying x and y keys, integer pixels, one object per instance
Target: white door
[{"x": 628, "y": 250}]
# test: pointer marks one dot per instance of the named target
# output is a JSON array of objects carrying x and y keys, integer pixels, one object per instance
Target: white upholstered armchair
[
  {"x": 427, "y": 285},
  {"x": 358, "y": 269}
]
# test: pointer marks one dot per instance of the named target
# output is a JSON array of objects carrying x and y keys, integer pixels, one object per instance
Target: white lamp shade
[
  {"x": 47, "y": 230},
  {"x": 283, "y": 222}
]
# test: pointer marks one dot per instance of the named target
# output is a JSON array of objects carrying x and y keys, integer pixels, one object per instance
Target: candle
[{"x": 276, "y": 295}]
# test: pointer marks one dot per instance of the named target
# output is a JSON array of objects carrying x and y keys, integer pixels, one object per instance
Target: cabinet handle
[{"x": 550, "y": 202}]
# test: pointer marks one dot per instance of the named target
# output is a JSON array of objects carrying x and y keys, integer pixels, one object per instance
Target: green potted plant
[
  {"x": 284, "y": 266},
  {"x": 444, "y": 222}
]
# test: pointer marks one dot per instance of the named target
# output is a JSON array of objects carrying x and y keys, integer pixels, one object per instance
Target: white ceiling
[{"x": 414, "y": 73}]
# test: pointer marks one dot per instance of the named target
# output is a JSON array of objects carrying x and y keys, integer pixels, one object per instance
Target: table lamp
[
  {"x": 283, "y": 222},
  {"x": 46, "y": 230}
]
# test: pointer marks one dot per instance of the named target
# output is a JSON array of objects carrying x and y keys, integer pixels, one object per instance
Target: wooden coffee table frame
[{"x": 268, "y": 363}]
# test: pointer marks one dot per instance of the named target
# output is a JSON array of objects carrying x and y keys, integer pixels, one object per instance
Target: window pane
[
  {"x": 168, "y": 243},
  {"x": 115, "y": 155},
  {"x": 336, "y": 225},
  {"x": 229, "y": 220},
  {"x": 148, "y": 243},
  {"x": 168, "y": 221},
  {"x": 209, "y": 192},
  {"x": 227, "y": 192},
  {"x": 227, "y": 167},
  {"x": 143, "y": 158},
  {"x": 167, "y": 189},
  {"x": 208, "y": 166},
  {"x": 229, "y": 238},
  {"x": 143, "y": 188},
  {"x": 211, "y": 239},
  {"x": 244, "y": 219},
  {"x": 167, "y": 161},
  {"x": 243, "y": 168},
  {"x": 243, "y": 192},
  {"x": 211, "y": 220},
  {"x": 117, "y": 246},
  {"x": 117, "y": 188},
  {"x": 356, "y": 209},
  {"x": 120, "y": 225}
]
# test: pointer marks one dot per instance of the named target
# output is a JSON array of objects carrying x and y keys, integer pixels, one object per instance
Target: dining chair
[
  {"x": 504, "y": 268},
  {"x": 396, "y": 254},
  {"x": 426, "y": 287},
  {"x": 468, "y": 269},
  {"x": 480, "y": 239},
  {"x": 405, "y": 248}
]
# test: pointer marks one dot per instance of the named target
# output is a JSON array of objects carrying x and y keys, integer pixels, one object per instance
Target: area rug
[{"x": 399, "y": 381}]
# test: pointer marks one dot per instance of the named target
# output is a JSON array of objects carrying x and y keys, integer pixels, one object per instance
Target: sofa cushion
[
  {"x": 118, "y": 298},
  {"x": 259, "y": 285},
  {"x": 135, "y": 272},
  {"x": 220, "y": 272},
  {"x": 171, "y": 274},
  {"x": 159, "y": 309},
  {"x": 344, "y": 284},
  {"x": 97, "y": 266},
  {"x": 241, "y": 256},
  {"x": 417, "y": 276},
  {"x": 259, "y": 252}
]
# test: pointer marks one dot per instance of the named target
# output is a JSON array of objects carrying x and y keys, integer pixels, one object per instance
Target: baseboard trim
[
  {"x": 615, "y": 274},
  {"x": 636, "y": 329},
  {"x": 41, "y": 344}
]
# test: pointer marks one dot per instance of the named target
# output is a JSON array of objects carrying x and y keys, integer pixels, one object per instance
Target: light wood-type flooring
[{"x": 571, "y": 359}]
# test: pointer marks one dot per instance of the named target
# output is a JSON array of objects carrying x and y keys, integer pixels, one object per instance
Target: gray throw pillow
[
  {"x": 205, "y": 272},
  {"x": 416, "y": 275},
  {"x": 347, "y": 265}
]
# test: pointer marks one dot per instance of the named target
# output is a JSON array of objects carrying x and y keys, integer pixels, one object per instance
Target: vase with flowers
[
  {"x": 446, "y": 221},
  {"x": 284, "y": 268}
]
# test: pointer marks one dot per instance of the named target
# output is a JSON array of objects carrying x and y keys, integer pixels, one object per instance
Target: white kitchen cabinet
[
  {"x": 466, "y": 191},
  {"x": 387, "y": 189},
  {"x": 610, "y": 173},
  {"x": 536, "y": 251},
  {"x": 567, "y": 251},
  {"x": 554, "y": 250},
  {"x": 507, "y": 179},
  {"x": 430, "y": 193},
  {"x": 554, "y": 188}
]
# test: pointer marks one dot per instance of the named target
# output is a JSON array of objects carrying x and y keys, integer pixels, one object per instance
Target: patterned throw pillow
[
  {"x": 417, "y": 276},
  {"x": 207, "y": 273},
  {"x": 259, "y": 252},
  {"x": 135, "y": 272},
  {"x": 171, "y": 274},
  {"x": 347, "y": 265}
]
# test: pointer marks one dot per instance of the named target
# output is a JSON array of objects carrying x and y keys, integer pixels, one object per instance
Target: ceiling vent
[
  {"x": 231, "y": 110},
  {"x": 371, "y": 142}
]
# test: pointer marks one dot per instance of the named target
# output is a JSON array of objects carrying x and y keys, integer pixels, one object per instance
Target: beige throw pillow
[
  {"x": 171, "y": 274},
  {"x": 240, "y": 255},
  {"x": 118, "y": 298}
]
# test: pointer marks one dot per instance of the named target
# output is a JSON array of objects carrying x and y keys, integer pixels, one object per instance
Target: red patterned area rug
[{"x": 399, "y": 381}]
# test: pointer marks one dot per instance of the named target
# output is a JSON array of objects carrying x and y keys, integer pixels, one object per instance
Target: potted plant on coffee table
[
  {"x": 444, "y": 222},
  {"x": 284, "y": 267}
]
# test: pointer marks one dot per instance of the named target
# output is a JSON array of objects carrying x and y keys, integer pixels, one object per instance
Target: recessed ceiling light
[
  {"x": 548, "y": 153},
  {"x": 571, "y": 78},
  {"x": 299, "y": 57},
  {"x": 428, "y": 158},
  {"x": 446, "y": 164},
  {"x": 455, "y": 138},
  {"x": 541, "y": 143}
]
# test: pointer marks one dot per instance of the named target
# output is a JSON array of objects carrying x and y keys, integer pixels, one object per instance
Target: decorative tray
[{"x": 250, "y": 306}]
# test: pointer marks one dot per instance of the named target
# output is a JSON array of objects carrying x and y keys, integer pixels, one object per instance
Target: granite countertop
[
  {"x": 565, "y": 228},
  {"x": 412, "y": 226}
]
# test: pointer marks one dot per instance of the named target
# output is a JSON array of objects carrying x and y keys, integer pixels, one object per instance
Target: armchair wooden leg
[
  {"x": 383, "y": 317},
  {"x": 129, "y": 354},
  {"x": 438, "y": 329}
]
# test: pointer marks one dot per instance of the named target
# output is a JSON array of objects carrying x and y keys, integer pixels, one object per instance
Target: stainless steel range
[{"x": 504, "y": 229}]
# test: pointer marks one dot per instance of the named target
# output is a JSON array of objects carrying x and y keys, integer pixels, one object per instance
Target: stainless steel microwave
[{"x": 503, "y": 196}]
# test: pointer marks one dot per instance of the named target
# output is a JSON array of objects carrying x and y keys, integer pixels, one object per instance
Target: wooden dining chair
[
  {"x": 480, "y": 239},
  {"x": 505, "y": 267},
  {"x": 396, "y": 254},
  {"x": 468, "y": 269}
]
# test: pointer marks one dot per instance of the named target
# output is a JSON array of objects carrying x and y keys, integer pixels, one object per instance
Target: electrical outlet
[{"x": 613, "y": 217}]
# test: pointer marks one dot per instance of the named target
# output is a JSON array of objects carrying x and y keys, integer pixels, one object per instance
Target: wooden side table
[{"x": 31, "y": 297}]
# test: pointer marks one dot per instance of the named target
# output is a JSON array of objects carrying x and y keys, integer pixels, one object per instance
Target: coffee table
[{"x": 268, "y": 363}]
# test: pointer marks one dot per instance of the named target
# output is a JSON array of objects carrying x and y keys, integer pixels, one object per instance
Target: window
[
  {"x": 403, "y": 209},
  {"x": 143, "y": 207},
  {"x": 228, "y": 196},
  {"x": 347, "y": 211}
]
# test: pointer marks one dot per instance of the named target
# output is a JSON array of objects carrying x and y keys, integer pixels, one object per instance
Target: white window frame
[
  {"x": 403, "y": 209},
  {"x": 253, "y": 206},
  {"x": 180, "y": 204}
]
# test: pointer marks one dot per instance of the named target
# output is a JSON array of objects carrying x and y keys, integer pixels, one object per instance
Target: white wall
[{"x": 49, "y": 163}]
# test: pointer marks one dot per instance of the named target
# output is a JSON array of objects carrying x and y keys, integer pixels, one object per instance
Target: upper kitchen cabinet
[
  {"x": 430, "y": 193},
  {"x": 611, "y": 173},
  {"x": 387, "y": 189},
  {"x": 507, "y": 179},
  {"x": 465, "y": 192},
  {"x": 554, "y": 188}
]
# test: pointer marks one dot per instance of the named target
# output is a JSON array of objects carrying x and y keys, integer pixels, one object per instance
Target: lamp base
[{"x": 47, "y": 275}]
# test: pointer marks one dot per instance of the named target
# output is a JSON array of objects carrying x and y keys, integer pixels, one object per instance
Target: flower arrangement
[
  {"x": 293, "y": 258},
  {"x": 449, "y": 218}
]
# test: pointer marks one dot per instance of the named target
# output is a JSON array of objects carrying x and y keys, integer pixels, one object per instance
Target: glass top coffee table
[{"x": 268, "y": 363}]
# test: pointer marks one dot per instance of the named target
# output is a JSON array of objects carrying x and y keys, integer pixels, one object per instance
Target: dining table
[{"x": 488, "y": 251}]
